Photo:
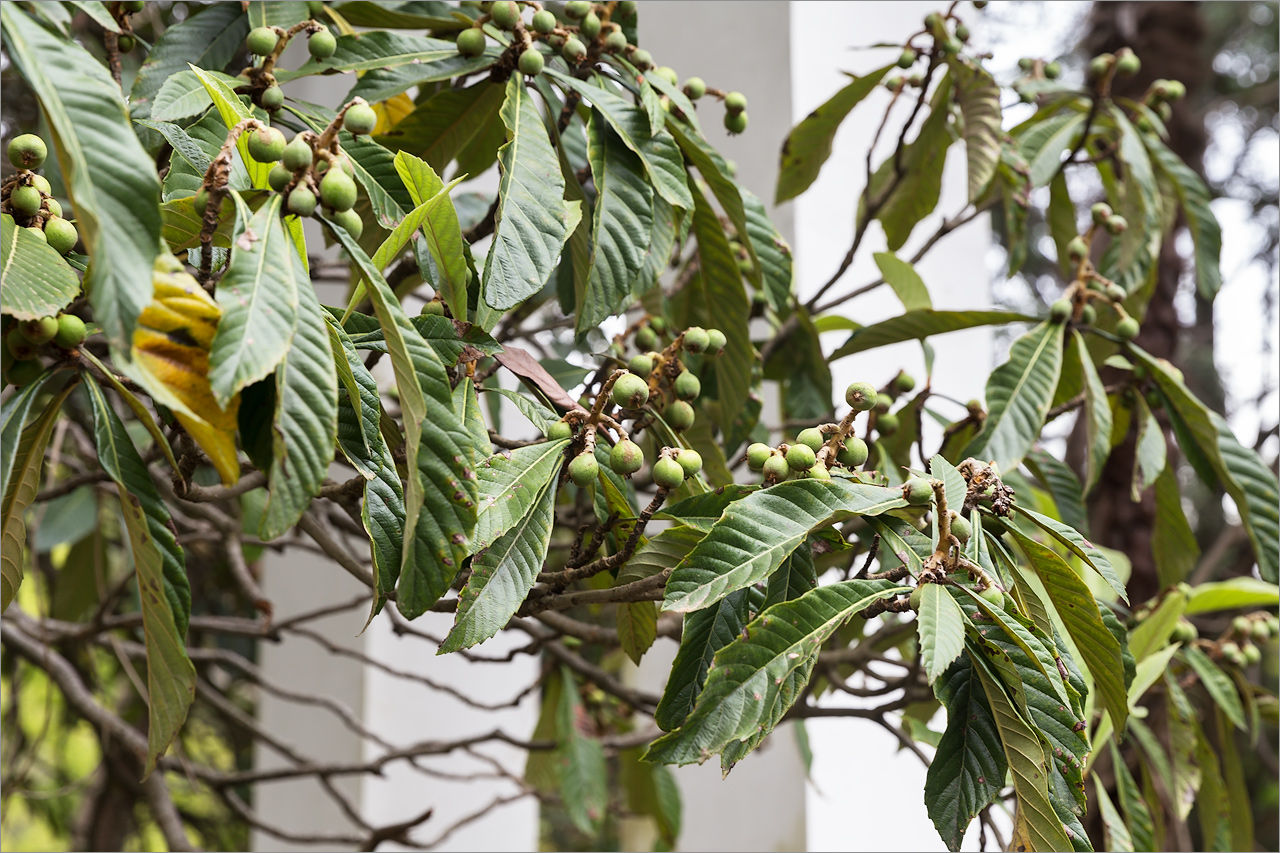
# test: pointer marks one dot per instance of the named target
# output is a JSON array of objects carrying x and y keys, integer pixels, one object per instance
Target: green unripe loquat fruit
[
  {"x": 757, "y": 454},
  {"x": 39, "y": 331},
  {"x": 272, "y": 98},
  {"x": 531, "y": 62},
  {"x": 962, "y": 32},
  {"x": 350, "y": 222},
  {"x": 559, "y": 431},
  {"x": 1127, "y": 329},
  {"x": 505, "y": 13},
  {"x": 322, "y": 44},
  {"x": 853, "y": 453},
  {"x": 887, "y": 423},
  {"x": 27, "y": 151},
  {"x": 861, "y": 396},
  {"x": 776, "y": 469},
  {"x": 266, "y": 145},
  {"x": 646, "y": 338},
  {"x": 38, "y": 233},
  {"x": 1100, "y": 65},
  {"x": 716, "y": 342},
  {"x": 61, "y": 235},
  {"x": 302, "y": 201},
  {"x": 904, "y": 383},
  {"x": 297, "y": 155},
  {"x": 40, "y": 183},
  {"x": 696, "y": 339},
  {"x": 735, "y": 123},
  {"x": 24, "y": 372},
  {"x": 19, "y": 347},
  {"x": 819, "y": 472},
  {"x": 917, "y": 598},
  {"x": 695, "y": 88},
  {"x": 1077, "y": 249},
  {"x": 641, "y": 365},
  {"x": 687, "y": 386},
  {"x": 666, "y": 72},
  {"x": 616, "y": 41},
  {"x": 471, "y": 42},
  {"x": 630, "y": 391},
  {"x": 543, "y": 21},
  {"x": 811, "y": 438},
  {"x": 641, "y": 59},
  {"x": 573, "y": 50},
  {"x": 262, "y": 40},
  {"x": 1060, "y": 310},
  {"x": 577, "y": 9},
  {"x": 590, "y": 25},
  {"x": 1127, "y": 62},
  {"x": 71, "y": 331},
  {"x": 25, "y": 200},
  {"x": 690, "y": 461},
  {"x": 626, "y": 9},
  {"x": 1251, "y": 654},
  {"x": 993, "y": 595},
  {"x": 279, "y": 177},
  {"x": 1052, "y": 70},
  {"x": 679, "y": 415},
  {"x": 1117, "y": 224},
  {"x": 1088, "y": 314},
  {"x": 433, "y": 307},
  {"x": 583, "y": 469},
  {"x": 917, "y": 491},
  {"x": 667, "y": 474},
  {"x": 337, "y": 191},
  {"x": 960, "y": 527},
  {"x": 360, "y": 119},
  {"x": 800, "y": 457},
  {"x": 735, "y": 102},
  {"x": 907, "y": 59},
  {"x": 626, "y": 457}
]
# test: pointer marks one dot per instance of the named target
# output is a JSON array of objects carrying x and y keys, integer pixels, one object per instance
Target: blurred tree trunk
[{"x": 1170, "y": 39}]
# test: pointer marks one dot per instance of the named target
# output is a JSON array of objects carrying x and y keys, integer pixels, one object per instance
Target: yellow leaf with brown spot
[{"x": 171, "y": 360}]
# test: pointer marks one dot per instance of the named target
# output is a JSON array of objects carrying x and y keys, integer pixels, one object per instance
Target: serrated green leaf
[
  {"x": 533, "y": 219},
  {"x": 658, "y": 151},
  {"x": 1194, "y": 198},
  {"x": 233, "y": 111},
  {"x": 1097, "y": 412},
  {"x": 969, "y": 767},
  {"x": 1075, "y": 604},
  {"x": 502, "y": 575},
  {"x": 1045, "y": 143},
  {"x": 1018, "y": 396},
  {"x": 183, "y": 95},
  {"x": 940, "y": 626},
  {"x": 637, "y": 623},
  {"x": 1137, "y": 814},
  {"x": 1150, "y": 453},
  {"x": 1061, "y": 216},
  {"x": 905, "y": 281},
  {"x": 750, "y": 685},
  {"x": 37, "y": 281},
  {"x": 771, "y": 250},
  {"x": 1217, "y": 683},
  {"x": 259, "y": 295},
  {"x": 1079, "y": 546},
  {"x": 978, "y": 96},
  {"x": 917, "y": 325},
  {"x": 796, "y": 576},
  {"x": 1173, "y": 543},
  {"x": 622, "y": 221},
  {"x": 808, "y": 145},
  {"x": 111, "y": 180},
  {"x": 510, "y": 483},
  {"x": 756, "y": 534},
  {"x": 442, "y": 127},
  {"x": 163, "y": 590},
  {"x": 21, "y": 482}
]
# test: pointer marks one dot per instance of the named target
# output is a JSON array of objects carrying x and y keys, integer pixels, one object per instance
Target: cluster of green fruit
[
  {"x": 886, "y": 422},
  {"x": 1248, "y": 630},
  {"x": 1124, "y": 62},
  {"x": 28, "y": 196},
  {"x": 23, "y": 341},
  {"x": 271, "y": 42},
  {"x": 126, "y": 41},
  {"x": 1050, "y": 70},
  {"x": 1078, "y": 252},
  {"x": 677, "y": 386}
]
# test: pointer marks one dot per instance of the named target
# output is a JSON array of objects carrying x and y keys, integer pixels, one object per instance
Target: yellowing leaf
[
  {"x": 171, "y": 360},
  {"x": 391, "y": 111}
]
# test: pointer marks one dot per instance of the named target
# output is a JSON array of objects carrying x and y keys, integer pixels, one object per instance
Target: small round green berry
[
  {"x": 39, "y": 331},
  {"x": 1174, "y": 90},
  {"x": 1241, "y": 625},
  {"x": 917, "y": 491},
  {"x": 583, "y": 469},
  {"x": 907, "y": 59},
  {"x": 667, "y": 474},
  {"x": 434, "y": 307},
  {"x": 658, "y": 325},
  {"x": 887, "y": 423},
  {"x": 960, "y": 527},
  {"x": 687, "y": 386},
  {"x": 1185, "y": 632},
  {"x": 262, "y": 40},
  {"x": 616, "y": 41},
  {"x": 690, "y": 461},
  {"x": 24, "y": 372},
  {"x": 61, "y": 234},
  {"x": 543, "y": 21},
  {"x": 811, "y": 438},
  {"x": 272, "y": 98},
  {"x": 505, "y": 13},
  {"x": 716, "y": 342},
  {"x": 1252, "y": 654},
  {"x": 666, "y": 72},
  {"x": 641, "y": 59},
  {"x": 641, "y": 365},
  {"x": 800, "y": 457},
  {"x": 297, "y": 154},
  {"x": 735, "y": 102},
  {"x": 322, "y": 44},
  {"x": 133, "y": 6},
  {"x": 626, "y": 457},
  {"x": 1117, "y": 224},
  {"x": 471, "y": 42},
  {"x": 577, "y": 9},
  {"x": 589, "y": 27},
  {"x": 626, "y": 9},
  {"x": 25, "y": 200},
  {"x": 819, "y": 472},
  {"x": 695, "y": 88},
  {"x": 1052, "y": 70},
  {"x": 279, "y": 177},
  {"x": 853, "y": 453},
  {"x": 573, "y": 50},
  {"x": 531, "y": 63},
  {"x": 1127, "y": 329},
  {"x": 630, "y": 391},
  {"x": 1116, "y": 293},
  {"x": 917, "y": 598},
  {"x": 932, "y": 21},
  {"x": 560, "y": 431},
  {"x": 952, "y": 46},
  {"x": 1100, "y": 213},
  {"x": 757, "y": 454},
  {"x": 360, "y": 119},
  {"x": 19, "y": 347},
  {"x": 904, "y": 383},
  {"x": 1127, "y": 62},
  {"x": 40, "y": 183},
  {"x": 696, "y": 339},
  {"x": 993, "y": 595},
  {"x": 1077, "y": 249},
  {"x": 1087, "y": 315},
  {"x": 1231, "y": 654},
  {"x": 679, "y": 415},
  {"x": 302, "y": 201},
  {"x": 71, "y": 331},
  {"x": 1259, "y": 631},
  {"x": 1026, "y": 63},
  {"x": 266, "y": 145},
  {"x": 735, "y": 123},
  {"x": 27, "y": 151},
  {"x": 52, "y": 206},
  {"x": 337, "y": 191},
  {"x": 884, "y": 402},
  {"x": 315, "y": 8},
  {"x": 861, "y": 396},
  {"x": 1100, "y": 65},
  {"x": 776, "y": 469},
  {"x": 1060, "y": 310},
  {"x": 350, "y": 222},
  {"x": 962, "y": 32},
  {"x": 646, "y": 338}
]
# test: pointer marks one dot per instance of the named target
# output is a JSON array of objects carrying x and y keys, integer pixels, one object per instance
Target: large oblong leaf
[
  {"x": 502, "y": 575},
  {"x": 1046, "y": 142},
  {"x": 622, "y": 220},
  {"x": 259, "y": 295},
  {"x": 110, "y": 178},
  {"x": 756, "y": 534},
  {"x": 940, "y": 626},
  {"x": 509, "y": 485},
  {"x": 978, "y": 95},
  {"x": 37, "y": 281},
  {"x": 808, "y": 145},
  {"x": 1194, "y": 198},
  {"x": 209, "y": 38},
  {"x": 744, "y": 694},
  {"x": 920, "y": 324},
  {"x": 442, "y": 127},
  {"x": 1018, "y": 396},
  {"x": 533, "y": 219},
  {"x": 163, "y": 589}
]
